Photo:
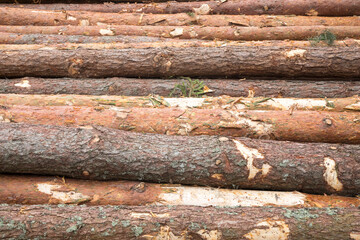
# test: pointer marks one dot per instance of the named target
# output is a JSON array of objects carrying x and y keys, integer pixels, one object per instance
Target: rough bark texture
[
  {"x": 107, "y": 154},
  {"x": 193, "y": 32},
  {"x": 225, "y": 102},
  {"x": 16, "y": 16},
  {"x": 305, "y": 88},
  {"x": 27, "y": 190},
  {"x": 291, "y": 125},
  {"x": 272, "y": 7},
  {"x": 177, "y": 222},
  {"x": 196, "y": 61}
]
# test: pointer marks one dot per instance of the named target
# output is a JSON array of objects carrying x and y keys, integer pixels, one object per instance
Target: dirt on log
[
  {"x": 290, "y": 125},
  {"x": 247, "y": 7},
  {"x": 193, "y": 32},
  {"x": 177, "y": 222},
  {"x": 224, "y": 61},
  {"x": 24, "y": 16},
  {"x": 104, "y": 154},
  {"x": 30, "y": 190},
  {"x": 155, "y": 101},
  {"x": 301, "y": 88}
]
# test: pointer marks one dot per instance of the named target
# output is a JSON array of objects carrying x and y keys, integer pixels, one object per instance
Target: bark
[
  {"x": 177, "y": 222},
  {"x": 268, "y": 7},
  {"x": 15, "y": 38},
  {"x": 224, "y": 102},
  {"x": 16, "y": 16},
  {"x": 305, "y": 88},
  {"x": 107, "y": 154},
  {"x": 291, "y": 125},
  {"x": 232, "y": 61},
  {"x": 193, "y": 32},
  {"x": 16, "y": 189}
]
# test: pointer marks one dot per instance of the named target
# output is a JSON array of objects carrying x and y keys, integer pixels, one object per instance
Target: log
[
  {"x": 248, "y": 7},
  {"x": 305, "y": 88},
  {"x": 106, "y": 154},
  {"x": 24, "y": 16},
  {"x": 292, "y": 125},
  {"x": 234, "y": 33},
  {"x": 177, "y": 222},
  {"x": 30, "y": 190},
  {"x": 232, "y": 61},
  {"x": 224, "y": 102}
]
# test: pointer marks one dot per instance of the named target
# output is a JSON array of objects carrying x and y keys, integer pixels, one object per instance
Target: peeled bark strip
[
  {"x": 16, "y": 16},
  {"x": 178, "y": 222},
  {"x": 192, "y": 32},
  {"x": 291, "y": 125},
  {"x": 305, "y": 88},
  {"x": 105, "y": 154},
  {"x": 224, "y": 102},
  {"x": 224, "y": 61},
  {"x": 249, "y": 7},
  {"x": 54, "y": 190}
]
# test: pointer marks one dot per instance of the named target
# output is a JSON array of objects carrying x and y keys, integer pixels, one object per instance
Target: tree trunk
[
  {"x": 291, "y": 125},
  {"x": 249, "y": 7},
  {"x": 305, "y": 88},
  {"x": 104, "y": 154},
  {"x": 193, "y": 32},
  {"x": 230, "y": 61},
  {"x": 16, "y": 189},
  {"x": 177, "y": 222},
  {"x": 16, "y": 16},
  {"x": 224, "y": 102}
]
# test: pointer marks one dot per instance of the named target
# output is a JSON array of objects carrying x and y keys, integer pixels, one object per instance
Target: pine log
[
  {"x": 249, "y": 7},
  {"x": 304, "y": 88},
  {"x": 193, "y": 32},
  {"x": 16, "y": 16},
  {"x": 16, "y": 189},
  {"x": 291, "y": 125},
  {"x": 232, "y": 61},
  {"x": 224, "y": 102},
  {"x": 177, "y": 222},
  {"x": 104, "y": 154}
]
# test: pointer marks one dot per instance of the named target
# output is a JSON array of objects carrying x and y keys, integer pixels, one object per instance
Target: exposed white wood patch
[
  {"x": 120, "y": 112},
  {"x": 355, "y": 235},
  {"x": 71, "y": 18},
  {"x": 149, "y": 215},
  {"x": 84, "y": 22},
  {"x": 355, "y": 106},
  {"x": 330, "y": 175},
  {"x": 200, "y": 196},
  {"x": 56, "y": 191},
  {"x": 259, "y": 127},
  {"x": 209, "y": 235},
  {"x": 287, "y": 103},
  {"x": 165, "y": 233},
  {"x": 107, "y": 32},
  {"x": 23, "y": 84},
  {"x": 269, "y": 230},
  {"x": 250, "y": 154},
  {"x": 295, "y": 53},
  {"x": 185, "y": 102},
  {"x": 203, "y": 9},
  {"x": 177, "y": 32}
]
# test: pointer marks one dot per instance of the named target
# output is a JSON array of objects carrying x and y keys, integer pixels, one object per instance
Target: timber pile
[{"x": 231, "y": 119}]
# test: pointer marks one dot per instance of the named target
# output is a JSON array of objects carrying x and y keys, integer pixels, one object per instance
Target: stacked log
[{"x": 179, "y": 120}]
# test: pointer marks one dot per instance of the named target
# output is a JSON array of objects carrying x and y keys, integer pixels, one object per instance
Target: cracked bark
[{"x": 203, "y": 160}]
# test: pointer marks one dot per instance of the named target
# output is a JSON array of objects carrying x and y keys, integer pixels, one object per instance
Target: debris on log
[
  {"x": 177, "y": 222},
  {"x": 107, "y": 154},
  {"x": 232, "y": 61}
]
